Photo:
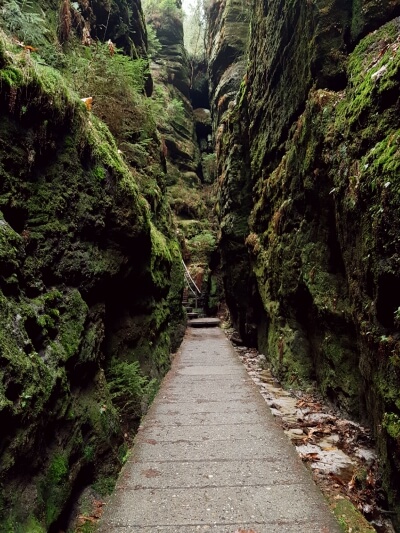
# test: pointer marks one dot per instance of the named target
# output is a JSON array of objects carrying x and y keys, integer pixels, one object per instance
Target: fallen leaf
[
  {"x": 88, "y": 103},
  {"x": 310, "y": 457},
  {"x": 82, "y": 519},
  {"x": 151, "y": 472},
  {"x": 150, "y": 441}
]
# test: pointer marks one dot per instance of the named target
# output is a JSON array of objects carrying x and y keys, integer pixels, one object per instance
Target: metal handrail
[{"x": 190, "y": 280}]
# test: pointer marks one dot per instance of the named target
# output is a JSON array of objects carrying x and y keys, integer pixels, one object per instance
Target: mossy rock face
[
  {"x": 350, "y": 518},
  {"x": 308, "y": 179},
  {"x": 228, "y": 37},
  {"x": 120, "y": 21},
  {"x": 82, "y": 254}
]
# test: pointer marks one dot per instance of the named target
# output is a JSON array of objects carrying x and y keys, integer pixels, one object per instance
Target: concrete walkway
[{"x": 210, "y": 457}]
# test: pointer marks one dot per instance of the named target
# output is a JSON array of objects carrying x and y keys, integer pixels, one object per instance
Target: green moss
[
  {"x": 10, "y": 254},
  {"x": 73, "y": 320},
  {"x": 337, "y": 371},
  {"x": 99, "y": 173},
  {"x": 391, "y": 422},
  {"x": 28, "y": 373},
  {"x": 57, "y": 470},
  {"x": 104, "y": 149},
  {"x": 286, "y": 348},
  {"x": 364, "y": 63},
  {"x": 48, "y": 85},
  {"x": 160, "y": 258},
  {"x": 13, "y": 525},
  {"x": 54, "y": 488},
  {"x": 186, "y": 202},
  {"x": 201, "y": 246},
  {"x": 11, "y": 77},
  {"x": 350, "y": 518},
  {"x": 104, "y": 486},
  {"x": 2, "y": 52},
  {"x": 81, "y": 227}
]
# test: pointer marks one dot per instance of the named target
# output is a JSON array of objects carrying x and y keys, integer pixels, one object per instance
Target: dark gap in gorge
[
  {"x": 199, "y": 86},
  {"x": 388, "y": 299},
  {"x": 84, "y": 479}
]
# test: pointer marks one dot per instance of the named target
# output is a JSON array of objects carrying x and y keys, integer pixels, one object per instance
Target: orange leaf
[{"x": 88, "y": 103}]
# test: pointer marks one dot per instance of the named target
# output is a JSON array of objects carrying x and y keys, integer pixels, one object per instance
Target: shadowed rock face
[
  {"x": 227, "y": 55},
  {"x": 226, "y": 49},
  {"x": 308, "y": 183},
  {"x": 182, "y": 83}
]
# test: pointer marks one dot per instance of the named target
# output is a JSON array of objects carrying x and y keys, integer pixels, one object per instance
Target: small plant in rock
[
  {"x": 153, "y": 43},
  {"x": 176, "y": 111}
]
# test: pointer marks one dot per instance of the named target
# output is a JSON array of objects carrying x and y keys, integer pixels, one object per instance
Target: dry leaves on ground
[{"x": 93, "y": 517}]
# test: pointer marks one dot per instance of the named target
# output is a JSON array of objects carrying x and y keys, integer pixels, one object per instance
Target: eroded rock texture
[
  {"x": 170, "y": 69},
  {"x": 308, "y": 165},
  {"x": 227, "y": 51}
]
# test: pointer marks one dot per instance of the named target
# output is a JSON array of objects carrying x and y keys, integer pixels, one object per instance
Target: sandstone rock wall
[
  {"x": 308, "y": 177},
  {"x": 227, "y": 41},
  {"x": 90, "y": 278}
]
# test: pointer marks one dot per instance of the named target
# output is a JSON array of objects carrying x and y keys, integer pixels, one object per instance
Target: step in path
[{"x": 209, "y": 456}]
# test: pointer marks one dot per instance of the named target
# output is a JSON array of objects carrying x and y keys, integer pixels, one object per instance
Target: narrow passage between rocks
[{"x": 210, "y": 457}]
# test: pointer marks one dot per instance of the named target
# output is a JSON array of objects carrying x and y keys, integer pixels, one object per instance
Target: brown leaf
[
  {"x": 151, "y": 472},
  {"x": 337, "y": 479},
  {"x": 310, "y": 456},
  {"x": 88, "y": 103},
  {"x": 82, "y": 519},
  {"x": 370, "y": 479}
]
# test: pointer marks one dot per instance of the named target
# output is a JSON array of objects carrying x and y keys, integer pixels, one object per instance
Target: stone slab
[
  {"x": 217, "y": 473},
  {"x": 200, "y": 433},
  {"x": 184, "y": 450},
  {"x": 222, "y": 406},
  {"x": 269, "y": 527},
  {"x": 215, "y": 505},
  {"x": 204, "y": 322}
]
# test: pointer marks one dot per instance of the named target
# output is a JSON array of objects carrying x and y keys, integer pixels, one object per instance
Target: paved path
[{"x": 210, "y": 457}]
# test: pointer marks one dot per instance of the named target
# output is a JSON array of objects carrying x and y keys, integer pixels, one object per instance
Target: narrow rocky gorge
[{"x": 269, "y": 163}]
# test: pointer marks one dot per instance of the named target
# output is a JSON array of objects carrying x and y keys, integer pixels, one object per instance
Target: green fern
[
  {"x": 21, "y": 20},
  {"x": 116, "y": 83},
  {"x": 153, "y": 43},
  {"x": 130, "y": 390}
]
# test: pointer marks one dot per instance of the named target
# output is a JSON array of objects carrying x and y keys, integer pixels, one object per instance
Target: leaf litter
[{"x": 340, "y": 452}]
